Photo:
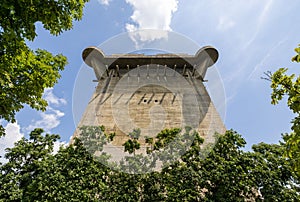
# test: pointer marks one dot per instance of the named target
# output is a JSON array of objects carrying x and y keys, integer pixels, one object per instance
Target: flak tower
[{"x": 152, "y": 93}]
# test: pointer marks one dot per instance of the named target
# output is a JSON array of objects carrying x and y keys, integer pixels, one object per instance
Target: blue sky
[{"x": 251, "y": 38}]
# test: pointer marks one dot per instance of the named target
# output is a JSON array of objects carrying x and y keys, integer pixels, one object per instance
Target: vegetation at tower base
[
  {"x": 288, "y": 85},
  {"x": 25, "y": 73},
  {"x": 227, "y": 173}
]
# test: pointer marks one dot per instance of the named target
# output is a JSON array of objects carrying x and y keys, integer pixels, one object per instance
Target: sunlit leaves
[
  {"x": 296, "y": 58},
  {"x": 29, "y": 74},
  {"x": 289, "y": 85},
  {"x": 56, "y": 16},
  {"x": 24, "y": 73}
]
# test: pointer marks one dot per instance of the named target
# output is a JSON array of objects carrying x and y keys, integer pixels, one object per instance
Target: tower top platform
[
  {"x": 206, "y": 53},
  {"x": 123, "y": 63}
]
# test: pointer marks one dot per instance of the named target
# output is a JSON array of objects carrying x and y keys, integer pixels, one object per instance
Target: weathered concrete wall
[{"x": 150, "y": 108}]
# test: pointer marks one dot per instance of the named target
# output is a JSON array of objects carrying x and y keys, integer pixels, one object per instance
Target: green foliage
[
  {"x": 296, "y": 58},
  {"x": 34, "y": 173},
  {"x": 133, "y": 144},
  {"x": 165, "y": 137},
  {"x": 93, "y": 138},
  {"x": 289, "y": 85},
  {"x": 24, "y": 73},
  {"x": 24, "y": 77},
  {"x": 161, "y": 151},
  {"x": 19, "y": 17},
  {"x": 226, "y": 171},
  {"x": 25, "y": 161},
  {"x": 71, "y": 174},
  {"x": 274, "y": 173}
]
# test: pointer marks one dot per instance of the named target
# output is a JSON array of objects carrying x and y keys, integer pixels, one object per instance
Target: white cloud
[
  {"x": 151, "y": 15},
  {"x": 104, "y": 2},
  {"x": 53, "y": 99},
  {"x": 13, "y": 134},
  {"x": 57, "y": 145},
  {"x": 49, "y": 120}
]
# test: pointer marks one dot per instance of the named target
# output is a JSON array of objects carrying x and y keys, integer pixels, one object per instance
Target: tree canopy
[
  {"x": 25, "y": 73},
  {"x": 289, "y": 85},
  {"x": 227, "y": 173}
]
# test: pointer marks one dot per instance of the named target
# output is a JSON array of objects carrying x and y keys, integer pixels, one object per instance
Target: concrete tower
[{"x": 151, "y": 92}]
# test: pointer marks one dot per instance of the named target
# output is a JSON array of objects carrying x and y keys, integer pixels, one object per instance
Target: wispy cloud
[
  {"x": 225, "y": 23},
  {"x": 260, "y": 21},
  {"x": 151, "y": 14},
  {"x": 262, "y": 63},
  {"x": 104, "y": 2},
  {"x": 265, "y": 11},
  {"x": 238, "y": 29}
]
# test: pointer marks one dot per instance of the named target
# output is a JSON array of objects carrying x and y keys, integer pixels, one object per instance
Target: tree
[
  {"x": 230, "y": 174},
  {"x": 275, "y": 178},
  {"x": 289, "y": 85},
  {"x": 25, "y": 161},
  {"x": 227, "y": 173},
  {"x": 71, "y": 174},
  {"x": 25, "y": 73},
  {"x": 34, "y": 173}
]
